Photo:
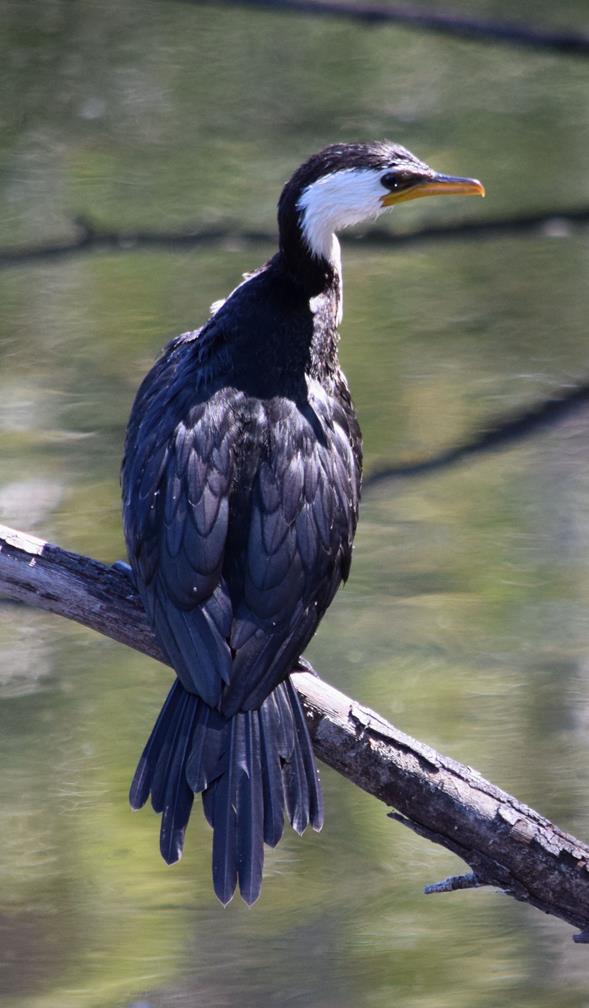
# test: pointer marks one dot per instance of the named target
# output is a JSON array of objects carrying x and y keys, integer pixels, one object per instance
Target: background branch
[
  {"x": 500, "y": 433},
  {"x": 505, "y": 843},
  {"x": 442, "y": 22},
  {"x": 92, "y": 238}
]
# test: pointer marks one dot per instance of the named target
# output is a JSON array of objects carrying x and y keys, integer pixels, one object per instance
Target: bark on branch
[{"x": 506, "y": 844}]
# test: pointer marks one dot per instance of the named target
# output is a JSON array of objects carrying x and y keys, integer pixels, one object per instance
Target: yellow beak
[{"x": 436, "y": 185}]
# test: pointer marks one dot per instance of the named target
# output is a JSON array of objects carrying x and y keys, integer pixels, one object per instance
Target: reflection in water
[{"x": 465, "y": 619}]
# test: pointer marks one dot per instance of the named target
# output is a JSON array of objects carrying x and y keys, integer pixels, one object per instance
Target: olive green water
[{"x": 466, "y": 619}]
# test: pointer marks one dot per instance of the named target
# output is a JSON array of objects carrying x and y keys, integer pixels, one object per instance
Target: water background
[{"x": 466, "y": 619}]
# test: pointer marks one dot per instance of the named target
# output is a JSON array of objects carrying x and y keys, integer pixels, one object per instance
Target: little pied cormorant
[{"x": 241, "y": 481}]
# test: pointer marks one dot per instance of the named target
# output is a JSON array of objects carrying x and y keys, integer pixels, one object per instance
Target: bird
[{"x": 241, "y": 482}]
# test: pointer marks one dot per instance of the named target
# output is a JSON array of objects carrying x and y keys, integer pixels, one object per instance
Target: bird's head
[{"x": 345, "y": 184}]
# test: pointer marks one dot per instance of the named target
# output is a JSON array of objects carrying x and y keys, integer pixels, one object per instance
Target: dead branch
[
  {"x": 442, "y": 22},
  {"x": 499, "y": 433},
  {"x": 506, "y": 844},
  {"x": 91, "y": 238}
]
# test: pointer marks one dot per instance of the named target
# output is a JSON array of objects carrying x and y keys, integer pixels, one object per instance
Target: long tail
[{"x": 250, "y": 769}]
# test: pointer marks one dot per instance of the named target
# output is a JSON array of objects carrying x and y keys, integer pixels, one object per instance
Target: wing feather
[
  {"x": 240, "y": 519},
  {"x": 176, "y": 494}
]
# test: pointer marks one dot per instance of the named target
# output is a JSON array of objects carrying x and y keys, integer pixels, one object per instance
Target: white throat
[{"x": 335, "y": 202}]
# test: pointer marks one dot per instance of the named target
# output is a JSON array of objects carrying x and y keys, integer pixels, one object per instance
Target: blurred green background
[{"x": 466, "y": 619}]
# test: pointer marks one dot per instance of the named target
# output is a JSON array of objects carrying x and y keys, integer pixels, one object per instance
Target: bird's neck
[
  {"x": 312, "y": 258},
  {"x": 319, "y": 275},
  {"x": 312, "y": 291},
  {"x": 278, "y": 328}
]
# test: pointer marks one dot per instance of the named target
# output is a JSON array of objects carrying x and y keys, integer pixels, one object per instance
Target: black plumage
[{"x": 241, "y": 482}]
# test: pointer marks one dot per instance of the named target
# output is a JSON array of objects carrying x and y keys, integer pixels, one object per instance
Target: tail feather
[
  {"x": 208, "y": 805},
  {"x": 315, "y": 799},
  {"x": 141, "y": 783},
  {"x": 284, "y": 724},
  {"x": 225, "y": 822},
  {"x": 207, "y": 756},
  {"x": 273, "y": 786},
  {"x": 167, "y": 766},
  {"x": 250, "y": 768},
  {"x": 178, "y": 796},
  {"x": 296, "y": 792},
  {"x": 296, "y": 783},
  {"x": 250, "y": 805}
]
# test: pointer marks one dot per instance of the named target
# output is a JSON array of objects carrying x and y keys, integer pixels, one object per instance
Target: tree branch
[
  {"x": 92, "y": 238},
  {"x": 443, "y": 22},
  {"x": 499, "y": 433},
  {"x": 505, "y": 843}
]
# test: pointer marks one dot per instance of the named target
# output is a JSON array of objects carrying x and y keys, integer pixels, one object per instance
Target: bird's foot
[
  {"x": 124, "y": 568},
  {"x": 303, "y": 665}
]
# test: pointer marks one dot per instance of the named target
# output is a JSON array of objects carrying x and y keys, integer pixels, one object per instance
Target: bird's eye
[{"x": 395, "y": 181}]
